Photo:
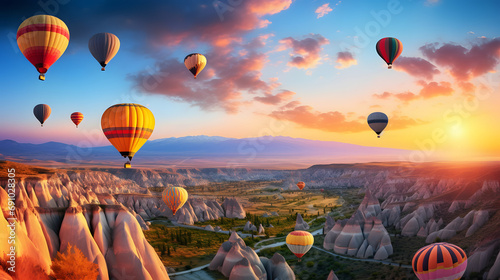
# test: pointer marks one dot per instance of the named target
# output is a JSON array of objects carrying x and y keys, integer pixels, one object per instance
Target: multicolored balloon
[
  {"x": 299, "y": 242},
  {"x": 127, "y": 126},
  {"x": 104, "y": 46},
  {"x": 439, "y": 261},
  {"x": 42, "y": 112},
  {"x": 389, "y": 49},
  {"x": 42, "y": 39},
  {"x": 77, "y": 118},
  {"x": 174, "y": 198},
  {"x": 378, "y": 122},
  {"x": 301, "y": 185},
  {"x": 195, "y": 62}
]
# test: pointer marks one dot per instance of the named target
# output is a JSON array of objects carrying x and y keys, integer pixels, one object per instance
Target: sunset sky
[{"x": 305, "y": 69}]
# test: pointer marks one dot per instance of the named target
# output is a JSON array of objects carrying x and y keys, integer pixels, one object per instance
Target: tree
[{"x": 73, "y": 265}]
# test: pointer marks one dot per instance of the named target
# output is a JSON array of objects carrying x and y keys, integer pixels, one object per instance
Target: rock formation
[
  {"x": 229, "y": 256},
  {"x": 277, "y": 268},
  {"x": 300, "y": 224},
  {"x": 332, "y": 276}
]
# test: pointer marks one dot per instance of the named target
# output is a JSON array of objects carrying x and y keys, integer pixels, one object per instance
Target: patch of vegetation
[{"x": 182, "y": 247}]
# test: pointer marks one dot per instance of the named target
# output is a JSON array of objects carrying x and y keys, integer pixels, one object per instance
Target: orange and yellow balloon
[
  {"x": 127, "y": 126},
  {"x": 103, "y": 47},
  {"x": 174, "y": 198},
  {"x": 440, "y": 261},
  {"x": 299, "y": 242},
  {"x": 301, "y": 185},
  {"x": 42, "y": 39},
  {"x": 195, "y": 62},
  {"x": 77, "y": 118}
]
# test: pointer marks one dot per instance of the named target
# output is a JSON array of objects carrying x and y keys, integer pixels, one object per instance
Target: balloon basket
[
  {"x": 103, "y": 69},
  {"x": 41, "y": 77}
]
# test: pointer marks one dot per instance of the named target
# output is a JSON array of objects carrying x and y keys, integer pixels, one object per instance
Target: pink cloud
[
  {"x": 276, "y": 99},
  {"x": 323, "y": 10},
  {"x": 465, "y": 64},
  {"x": 417, "y": 67},
  {"x": 345, "y": 60},
  {"x": 305, "y": 52},
  {"x": 221, "y": 85}
]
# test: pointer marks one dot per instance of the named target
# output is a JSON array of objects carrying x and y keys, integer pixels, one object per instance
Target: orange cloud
[
  {"x": 333, "y": 121},
  {"x": 434, "y": 89},
  {"x": 323, "y": 10},
  {"x": 417, "y": 67},
  {"x": 306, "y": 52},
  {"x": 429, "y": 90},
  {"x": 345, "y": 60},
  {"x": 465, "y": 64}
]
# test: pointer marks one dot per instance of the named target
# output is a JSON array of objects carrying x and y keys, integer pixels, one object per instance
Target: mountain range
[{"x": 204, "y": 151}]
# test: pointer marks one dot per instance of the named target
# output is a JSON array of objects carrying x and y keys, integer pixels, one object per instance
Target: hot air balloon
[
  {"x": 299, "y": 242},
  {"x": 104, "y": 46},
  {"x": 439, "y": 261},
  {"x": 127, "y": 126},
  {"x": 42, "y": 39},
  {"x": 301, "y": 185},
  {"x": 77, "y": 118},
  {"x": 377, "y": 122},
  {"x": 127, "y": 165},
  {"x": 174, "y": 198},
  {"x": 389, "y": 49},
  {"x": 195, "y": 62},
  {"x": 42, "y": 112}
]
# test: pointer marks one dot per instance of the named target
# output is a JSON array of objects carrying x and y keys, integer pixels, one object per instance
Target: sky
[{"x": 304, "y": 69}]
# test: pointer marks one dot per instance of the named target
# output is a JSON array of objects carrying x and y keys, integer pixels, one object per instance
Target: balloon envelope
[
  {"x": 42, "y": 112},
  {"x": 77, "y": 118},
  {"x": 195, "y": 62},
  {"x": 301, "y": 185},
  {"x": 174, "y": 198},
  {"x": 389, "y": 49},
  {"x": 127, "y": 126},
  {"x": 439, "y": 261},
  {"x": 104, "y": 46},
  {"x": 42, "y": 39},
  {"x": 378, "y": 122},
  {"x": 299, "y": 242}
]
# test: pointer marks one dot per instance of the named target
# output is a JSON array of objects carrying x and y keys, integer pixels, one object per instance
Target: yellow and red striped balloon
[
  {"x": 77, "y": 118},
  {"x": 174, "y": 198},
  {"x": 42, "y": 39},
  {"x": 440, "y": 261},
  {"x": 127, "y": 126},
  {"x": 299, "y": 242}
]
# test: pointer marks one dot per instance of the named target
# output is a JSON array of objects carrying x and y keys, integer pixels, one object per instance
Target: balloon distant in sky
[
  {"x": 104, "y": 46},
  {"x": 301, "y": 185},
  {"x": 389, "y": 49},
  {"x": 439, "y": 261},
  {"x": 174, "y": 198},
  {"x": 77, "y": 118},
  {"x": 42, "y": 39},
  {"x": 127, "y": 126},
  {"x": 377, "y": 122},
  {"x": 195, "y": 62},
  {"x": 42, "y": 112},
  {"x": 299, "y": 242}
]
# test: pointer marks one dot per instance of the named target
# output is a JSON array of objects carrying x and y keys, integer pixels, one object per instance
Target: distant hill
[{"x": 205, "y": 151}]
